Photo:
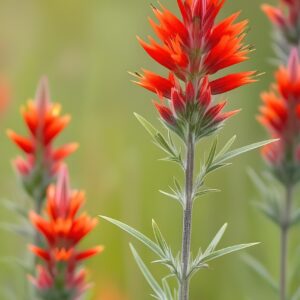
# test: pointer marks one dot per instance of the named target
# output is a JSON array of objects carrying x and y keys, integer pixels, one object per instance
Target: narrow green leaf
[
  {"x": 239, "y": 151},
  {"x": 173, "y": 196},
  {"x": 214, "y": 243},
  {"x": 164, "y": 145},
  {"x": 177, "y": 185},
  {"x": 227, "y": 146},
  {"x": 138, "y": 235},
  {"x": 270, "y": 211},
  {"x": 147, "y": 274},
  {"x": 219, "y": 253},
  {"x": 147, "y": 125},
  {"x": 259, "y": 269},
  {"x": 212, "y": 153},
  {"x": 167, "y": 289},
  {"x": 204, "y": 192},
  {"x": 159, "y": 237}
]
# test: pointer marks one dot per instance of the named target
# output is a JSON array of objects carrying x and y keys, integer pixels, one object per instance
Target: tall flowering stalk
[
  {"x": 58, "y": 274},
  {"x": 42, "y": 160},
  {"x": 56, "y": 237},
  {"x": 193, "y": 48},
  {"x": 280, "y": 115}
]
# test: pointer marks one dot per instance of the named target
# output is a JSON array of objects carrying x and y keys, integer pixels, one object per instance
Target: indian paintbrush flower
[
  {"x": 59, "y": 276},
  {"x": 193, "y": 48},
  {"x": 280, "y": 114},
  {"x": 286, "y": 21},
  {"x": 42, "y": 160}
]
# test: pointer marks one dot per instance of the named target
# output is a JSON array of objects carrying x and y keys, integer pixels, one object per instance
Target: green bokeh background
[{"x": 86, "y": 49}]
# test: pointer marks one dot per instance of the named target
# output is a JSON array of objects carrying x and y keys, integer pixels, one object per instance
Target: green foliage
[
  {"x": 167, "y": 145},
  {"x": 159, "y": 292},
  {"x": 161, "y": 248},
  {"x": 214, "y": 161},
  {"x": 261, "y": 271},
  {"x": 271, "y": 202},
  {"x": 23, "y": 228}
]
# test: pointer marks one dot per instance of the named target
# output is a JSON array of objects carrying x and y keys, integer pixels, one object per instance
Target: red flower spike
[
  {"x": 62, "y": 229},
  {"x": 285, "y": 19},
  {"x": 44, "y": 124},
  {"x": 192, "y": 48},
  {"x": 280, "y": 115}
]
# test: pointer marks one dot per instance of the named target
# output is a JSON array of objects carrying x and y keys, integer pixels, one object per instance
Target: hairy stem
[
  {"x": 187, "y": 219},
  {"x": 284, "y": 242}
]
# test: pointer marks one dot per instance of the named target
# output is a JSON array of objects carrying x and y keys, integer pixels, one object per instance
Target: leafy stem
[
  {"x": 284, "y": 228},
  {"x": 187, "y": 217}
]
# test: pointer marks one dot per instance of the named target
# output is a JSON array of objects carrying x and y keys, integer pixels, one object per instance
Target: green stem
[
  {"x": 284, "y": 241},
  {"x": 187, "y": 219}
]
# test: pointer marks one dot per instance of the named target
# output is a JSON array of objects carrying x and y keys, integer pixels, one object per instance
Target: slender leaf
[
  {"x": 167, "y": 289},
  {"x": 259, "y": 269},
  {"x": 138, "y": 235},
  {"x": 147, "y": 274},
  {"x": 159, "y": 237},
  {"x": 227, "y": 146},
  {"x": 239, "y": 151},
  {"x": 214, "y": 243},
  {"x": 147, "y": 125},
  {"x": 212, "y": 153},
  {"x": 219, "y": 253}
]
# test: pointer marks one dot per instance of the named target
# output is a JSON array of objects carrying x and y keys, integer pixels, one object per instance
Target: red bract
[
  {"x": 192, "y": 48},
  {"x": 42, "y": 160},
  {"x": 280, "y": 114},
  {"x": 58, "y": 274},
  {"x": 286, "y": 20},
  {"x": 286, "y": 15}
]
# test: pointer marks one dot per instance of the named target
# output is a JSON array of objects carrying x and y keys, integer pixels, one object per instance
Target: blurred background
[{"x": 86, "y": 49}]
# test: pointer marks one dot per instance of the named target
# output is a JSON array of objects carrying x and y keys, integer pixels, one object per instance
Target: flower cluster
[
  {"x": 286, "y": 21},
  {"x": 280, "y": 114},
  {"x": 44, "y": 123},
  {"x": 193, "y": 48},
  {"x": 58, "y": 276}
]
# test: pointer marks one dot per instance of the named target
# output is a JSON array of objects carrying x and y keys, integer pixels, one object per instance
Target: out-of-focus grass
[{"x": 86, "y": 49}]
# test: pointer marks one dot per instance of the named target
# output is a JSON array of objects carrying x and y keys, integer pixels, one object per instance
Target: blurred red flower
[
  {"x": 286, "y": 15},
  {"x": 280, "y": 114},
  {"x": 286, "y": 21},
  {"x": 193, "y": 48},
  {"x": 44, "y": 124},
  {"x": 58, "y": 275}
]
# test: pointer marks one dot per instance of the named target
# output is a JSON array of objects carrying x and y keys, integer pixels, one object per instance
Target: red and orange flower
[
  {"x": 42, "y": 161},
  {"x": 58, "y": 274},
  {"x": 286, "y": 20},
  {"x": 280, "y": 114},
  {"x": 193, "y": 48}
]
